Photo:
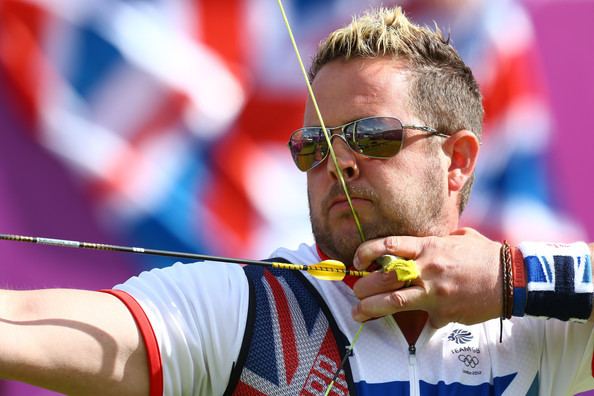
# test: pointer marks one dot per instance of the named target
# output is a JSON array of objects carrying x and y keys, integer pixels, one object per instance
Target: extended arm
[{"x": 71, "y": 341}]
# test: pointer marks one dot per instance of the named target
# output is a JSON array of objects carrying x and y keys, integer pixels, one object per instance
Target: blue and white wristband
[{"x": 559, "y": 280}]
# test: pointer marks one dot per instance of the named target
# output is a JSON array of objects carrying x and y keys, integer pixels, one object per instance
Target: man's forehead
[
  {"x": 371, "y": 71},
  {"x": 358, "y": 88}
]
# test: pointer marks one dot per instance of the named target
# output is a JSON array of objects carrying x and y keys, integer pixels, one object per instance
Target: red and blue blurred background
[{"x": 162, "y": 123}]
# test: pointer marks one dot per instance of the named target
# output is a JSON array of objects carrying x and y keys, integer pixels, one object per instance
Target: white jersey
[{"x": 195, "y": 314}]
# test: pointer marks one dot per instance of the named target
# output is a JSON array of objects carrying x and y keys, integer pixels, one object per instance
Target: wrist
[
  {"x": 519, "y": 282},
  {"x": 558, "y": 280}
]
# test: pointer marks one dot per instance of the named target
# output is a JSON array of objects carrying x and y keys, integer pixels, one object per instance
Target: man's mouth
[{"x": 341, "y": 203}]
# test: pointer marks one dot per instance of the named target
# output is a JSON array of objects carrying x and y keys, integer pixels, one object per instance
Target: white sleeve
[
  {"x": 567, "y": 358},
  {"x": 198, "y": 314}
]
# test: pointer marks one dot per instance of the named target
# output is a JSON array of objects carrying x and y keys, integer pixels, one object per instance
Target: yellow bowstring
[
  {"x": 319, "y": 114},
  {"x": 338, "y": 170}
]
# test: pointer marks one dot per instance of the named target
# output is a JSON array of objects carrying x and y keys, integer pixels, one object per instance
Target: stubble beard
[{"x": 403, "y": 215}]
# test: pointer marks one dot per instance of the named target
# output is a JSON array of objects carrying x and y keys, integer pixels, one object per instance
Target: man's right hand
[{"x": 460, "y": 278}]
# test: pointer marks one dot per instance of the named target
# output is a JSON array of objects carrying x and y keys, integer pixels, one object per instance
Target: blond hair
[{"x": 442, "y": 90}]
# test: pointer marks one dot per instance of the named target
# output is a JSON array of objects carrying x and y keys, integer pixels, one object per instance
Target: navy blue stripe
[
  {"x": 519, "y": 301},
  {"x": 262, "y": 357},
  {"x": 499, "y": 385}
]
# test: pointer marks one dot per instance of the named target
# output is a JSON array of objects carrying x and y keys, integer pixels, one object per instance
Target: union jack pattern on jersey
[{"x": 291, "y": 345}]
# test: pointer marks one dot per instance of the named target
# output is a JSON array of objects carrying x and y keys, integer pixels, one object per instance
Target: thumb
[{"x": 407, "y": 246}]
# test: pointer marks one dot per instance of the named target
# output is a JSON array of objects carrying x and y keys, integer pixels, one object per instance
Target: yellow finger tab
[{"x": 406, "y": 270}]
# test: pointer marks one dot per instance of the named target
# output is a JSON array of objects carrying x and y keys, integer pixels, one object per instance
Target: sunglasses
[{"x": 374, "y": 137}]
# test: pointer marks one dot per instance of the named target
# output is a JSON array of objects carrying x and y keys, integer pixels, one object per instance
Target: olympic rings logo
[{"x": 469, "y": 360}]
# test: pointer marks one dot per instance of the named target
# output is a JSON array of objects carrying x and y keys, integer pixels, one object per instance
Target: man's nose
[{"x": 345, "y": 157}]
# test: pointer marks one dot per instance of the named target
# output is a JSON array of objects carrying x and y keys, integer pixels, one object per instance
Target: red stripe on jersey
[
  {"x": 150, "y": 340},
  {"x": 244, "y": 389},
  {"x": 288, "y": 338}
]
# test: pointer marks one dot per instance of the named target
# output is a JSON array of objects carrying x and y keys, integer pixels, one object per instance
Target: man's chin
[
  {"x": 340, "y": 242},
  {"x": 339, "y": 248}
]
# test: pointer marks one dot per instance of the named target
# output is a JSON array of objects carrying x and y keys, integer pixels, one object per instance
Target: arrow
[{"x": 324, "y": 270}]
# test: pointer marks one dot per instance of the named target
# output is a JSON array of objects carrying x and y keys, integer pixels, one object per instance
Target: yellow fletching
[
  {"x": 406, "y": 270},
  {"x": 328, "y": 270}
]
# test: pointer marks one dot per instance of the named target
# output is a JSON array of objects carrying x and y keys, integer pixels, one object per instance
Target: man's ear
[{"x": 462, "y": 148}]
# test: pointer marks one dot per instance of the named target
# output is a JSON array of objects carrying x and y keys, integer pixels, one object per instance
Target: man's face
[{"x": 402, "y": 195}]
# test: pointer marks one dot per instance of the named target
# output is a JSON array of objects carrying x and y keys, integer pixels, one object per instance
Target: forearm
[{"x": 71, "y": 341}]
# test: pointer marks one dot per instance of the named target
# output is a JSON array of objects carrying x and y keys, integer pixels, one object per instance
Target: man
[{"x": 405, "y": 113}]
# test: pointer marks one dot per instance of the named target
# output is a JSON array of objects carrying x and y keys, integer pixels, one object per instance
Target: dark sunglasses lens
[
  {"x": 308, "y": 148},
  {"x": 379, "y": 137}
]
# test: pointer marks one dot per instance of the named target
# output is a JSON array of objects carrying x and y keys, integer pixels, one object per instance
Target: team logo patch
[
  {"x": 460, "y": 336},
  {"x": 469, "y": 360}
]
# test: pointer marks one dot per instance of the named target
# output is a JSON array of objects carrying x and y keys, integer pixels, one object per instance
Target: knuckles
[
  {"x": 391, "y": 244},
  {"x": 432, "y": 269},
  {"x": 442, "y": 290},
  {"x": 397, "y": 300}
]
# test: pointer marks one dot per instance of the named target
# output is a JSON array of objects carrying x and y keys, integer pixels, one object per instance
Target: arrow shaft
[
  {"x": 171, "y": 253},
  {"x": 127, "y": 249}
]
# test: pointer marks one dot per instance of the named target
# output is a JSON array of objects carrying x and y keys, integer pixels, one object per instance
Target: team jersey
[{"x": 193, "y": 319}]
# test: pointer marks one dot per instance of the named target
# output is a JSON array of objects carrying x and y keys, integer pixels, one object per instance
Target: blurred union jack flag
[
  {"x": 129, "y": 97},
  {"x": 173, "y": 115}
]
